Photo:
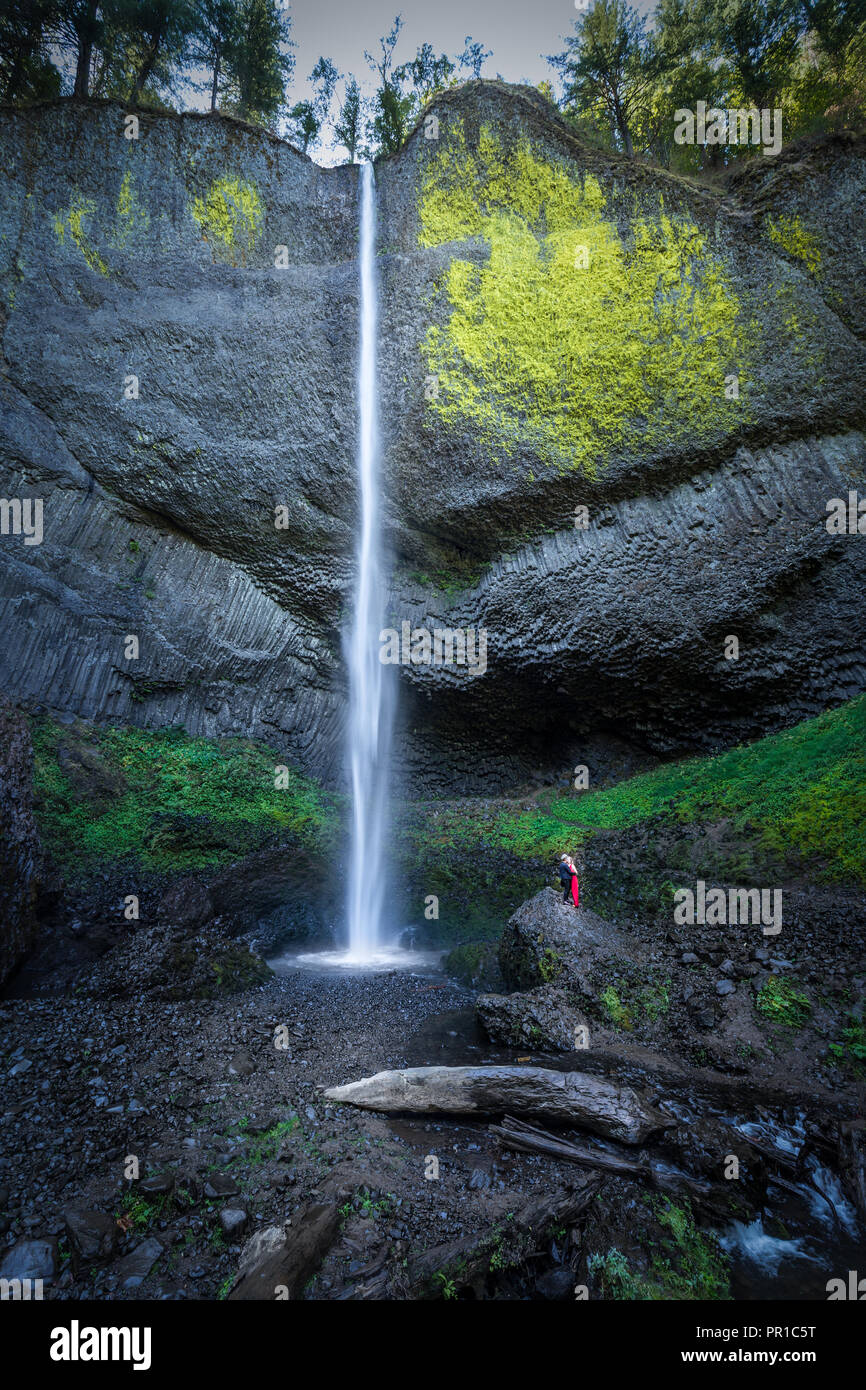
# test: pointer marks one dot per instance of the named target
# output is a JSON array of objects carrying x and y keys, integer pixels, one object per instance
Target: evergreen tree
[
  {"x": 26, "y": 69},
  {"x": 304, "y": 124},
  {"x": 259, "y": 61},
  {"x": 426, "y": 73},
  {"x": 608, "y": 65},
  {"x": 758, "y": 40},
  {"x": 162, "y": 30},
  {"x": 349, "y": 129},
  {"x": 216, "y": 27}
]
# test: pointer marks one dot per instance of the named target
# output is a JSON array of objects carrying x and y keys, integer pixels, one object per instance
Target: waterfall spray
[{"x": 370, "y": 691}]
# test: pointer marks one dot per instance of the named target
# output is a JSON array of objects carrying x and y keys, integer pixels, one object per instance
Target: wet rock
[
  {"x": 220, "y": 1185},
  {"x": 725, "y": 987},
  {"x": 261, "y": 1243},
  {"x": 233, "y": 1221},
  {"x": 156, "y": 1186},
  {"x": 92, "y": 1234},
  {"x": 21, "y": 863},
  {"x": 29, "y": 1259},
  {"x": 557, "y": 1284},
  {"x": 543, "y": 1018},
  {"x": 134, "y": 1268},
  {"x": 547, "y": 941},
  {"x": 242, "y": 1064}
]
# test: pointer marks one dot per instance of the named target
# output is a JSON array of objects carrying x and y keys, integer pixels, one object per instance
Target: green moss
[
  {"x": 851, "y": 1050},
  {"x": 539, "y": 349},
  {"x": 550, "y": 965},
  {"x": 687, "y": 1263},
  {"x": 472, "y": 962},
  {"x": 80, "y": 210},
  {"x": 130, "y": 213},
  {"x": 615, "y": 1008},
  {"x": 230, "y": 215},
  {"x": 779, "y": 1001},
  {"x": 789, "y": 233},
  {"x": 800, "y": 794},
  {"x": 174, "y": 802}
]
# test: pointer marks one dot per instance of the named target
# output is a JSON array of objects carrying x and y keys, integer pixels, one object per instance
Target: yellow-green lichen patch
[
  {"x": 790, "y": 234},
  {"x": 570, "y": 336},
  {"x": 130, "y": 213},
  {"x": 73, "y": 220},
  {"x": 230, "y": 215}
]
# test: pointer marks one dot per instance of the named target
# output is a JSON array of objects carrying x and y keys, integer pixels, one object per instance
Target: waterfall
[{"x": 370, "y": 691}]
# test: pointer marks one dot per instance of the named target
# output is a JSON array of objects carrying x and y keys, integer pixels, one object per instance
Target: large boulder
[
  {"x": 542, "y": 1018},
  {"x": 549, "y": 941}
]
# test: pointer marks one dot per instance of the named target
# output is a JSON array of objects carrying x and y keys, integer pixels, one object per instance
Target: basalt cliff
[{"x": 615, "y": 406}]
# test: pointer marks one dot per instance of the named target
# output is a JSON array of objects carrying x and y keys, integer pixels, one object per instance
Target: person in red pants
[{"x": 568, "y": 879}]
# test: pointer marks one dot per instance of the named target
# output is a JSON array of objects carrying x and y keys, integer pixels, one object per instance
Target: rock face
[
  {"x": 20, "y": 855},
  {"x": 178, "y": 390}
]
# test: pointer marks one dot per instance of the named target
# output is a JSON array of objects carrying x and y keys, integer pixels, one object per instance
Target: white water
[{"x": 371, "y": 695}]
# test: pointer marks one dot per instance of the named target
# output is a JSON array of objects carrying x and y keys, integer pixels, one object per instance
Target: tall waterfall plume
[{"x": 371, "y": 691}]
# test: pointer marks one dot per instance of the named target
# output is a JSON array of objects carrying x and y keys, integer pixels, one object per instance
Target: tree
[
  {"x": 216, "y": 26},
  {"x": 427, "y": 74},
  {"x": 162, "y": 30},
  {"x": 391, "y": 107},
  {"x": 324, "y": 79},
  {"x": 349, "y": 129},
  {"x": 305, "y": 123},
  {"x": 608, "y": 64},
  {"x": 25, "y": 66},
  {"x": 834, "y": 23},
  {"x": 688, "y": 71},
  {"x": 79, "y": 26},
  {"x": 391, "y": 121},
  {"x": 383, "y": 65},
  {"x": 758, "y": 39},
  {"x": 474, "y": 56},
  {"x": 259, "y": 61}
]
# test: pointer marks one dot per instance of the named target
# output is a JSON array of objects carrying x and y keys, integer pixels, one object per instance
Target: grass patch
[
  {"x": 851, "y": 1050},
  {"x": 686, "y": 1264},
  {"x": 800, "y": 795},
  {"x": 779, "y": 1001},
  {"x": 168, "y": 800}
]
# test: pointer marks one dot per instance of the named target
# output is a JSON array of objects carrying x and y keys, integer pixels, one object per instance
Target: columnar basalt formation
[{"x": 561, "y": 329}]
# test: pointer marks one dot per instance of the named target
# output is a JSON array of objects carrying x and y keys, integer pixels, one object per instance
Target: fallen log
[
  {"x": 523, "y": 1138},
  {"x": 284, "y": 1272},
  {"x": 573, "y": 1098},
  {"x": 516, "y": 1238}
]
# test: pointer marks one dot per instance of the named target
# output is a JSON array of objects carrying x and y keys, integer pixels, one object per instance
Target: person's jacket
[{"x": 565, "y": 873}]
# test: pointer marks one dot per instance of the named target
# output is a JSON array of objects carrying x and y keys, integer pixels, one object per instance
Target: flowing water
[{"x": 371, "y": 692}]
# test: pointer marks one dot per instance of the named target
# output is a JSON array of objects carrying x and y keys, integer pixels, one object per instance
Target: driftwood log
[
  {"x": 515, "y": 1238},
  {"x": 523, "y": 1138},
  {"x": 283, "y": 1273},
  {"x": 574, "y": 1098}
]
